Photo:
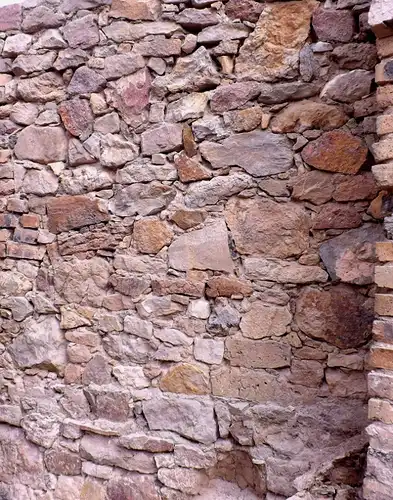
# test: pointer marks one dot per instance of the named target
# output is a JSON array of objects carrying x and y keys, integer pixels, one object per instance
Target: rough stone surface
[{"x": 41, "y": 144}]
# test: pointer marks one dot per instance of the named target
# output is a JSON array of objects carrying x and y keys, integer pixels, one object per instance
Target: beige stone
[
  {"x": 265, "y": 321},
  {"x": 265, "y": 227},
  {"x": 150, "y": 235},
  {"x": 383, "y": 174},
  {"x": 383, "y": 150},
  {"x": 136, "y": 10},
  {"x": 384, "y": 276},
  {"x": 381, "y": 356},
  {"x": 384, "y": 304},
  {"x": 186, "y": 379},
  {"x": 257, "y": 353},
  {"x": 379, "y": 409}
]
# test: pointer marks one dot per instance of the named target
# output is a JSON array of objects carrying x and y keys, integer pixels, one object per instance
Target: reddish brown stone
[
  {"x": 190, "y": 170},
  {"x": 186, "y": 379},
  {"x": 358, "y": 187},
  {"x": 23, "y": 251},
  {"x": 340, "y": 316},
  {"x": 150, "y": 235},
  {"x": 189, "y": 144},
  {"x": 63, "y": 462},
  {"x": 246, "y": 10},
  {"x": 226, "y": 286},
  {"x": 72, "y": 212},
  {"x": 336, "y": 151},
  {"x": 76, "y": 116},
  {"x": 30, "y": 220},
  {"x": 186, "y": 219},
  {"x": 333, "y": 25},
  {"x": 313, "y": 186},
  {"x": 334, "y": 216},
  {"x": 10, "y": 17},
  {"x": 8, "y": 220}
]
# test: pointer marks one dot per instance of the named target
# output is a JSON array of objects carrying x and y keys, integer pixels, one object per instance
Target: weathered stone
[
  {"x": 190, "y": 106},
  {"x": 72, "y": 212},
  {"x": 86, "y": 81},
  {"x": 349, "y": 87},
  {"x": 244, "y": 120},
  {"x": 265, "y": 320},
  {"x": 220, "y": 187},
  {"x": 258, "y": 153},
  {"x": 313, "y": 186},
  {"x": 196, "y": 19},
  {"x": 266, "y": 227},
  {"x": 224, "y": 319},
  {"x": 245, "y": 10},
  {"x": 62, "y": 462},
  {"x": 136, "y": 10},
  {"x": 104, "y": 451},
  {"x": 332, "y": 25},
  {"x": 40, "y": 182},
  {"x": 150, "y": 235},
  {"x": 190, "y": 170},
  {"x": 335, "y": 216},
  {"x": 272, "y": 50},
  {"x": 355, "y": 55},
  {"x": 167, "y": 286},
  {"x": 130, "y": 96},
  {"x": 223, "y": 32},
  {"x": 97, "y": 371},
  {"x": 190, "y": 417},
  {"x": 42, "y": 88},
  {"x": 227, "y": 97},
  {"x": 124, "y": 31},
  {"x": 350, "y": 257},
  {"x": 205, "y": 248},
  {"x": 143, "y": 199},
  {"x": 340, "y": 316},
  {"x": 70, "y": 58},
  {"x": 257, "y": 354},
  {"x": 281, "y": 92},
  {"x": 14, "y": 283},
  {"x": 120, "y": 65},
  {"x": 164, "y": 138},
  {"x": 82, "y": 33},
  {"x": 173, "y": 337},
  {"x": 24, "y": 113},
  {"x": 130, "y": 487},
  {"x": 24, "y": 64},
  {"x": 187, "y": 219},
  {"x": 187, "y": 481},
  {"x": 226, "y": 286},
  {"x": 209, "y": 351},
  {"x": 76, "y": 116},
  {"x": 185, "y": 379},
  {"x": 336, "y": 151},
  {"x": 191, "y": 73},
  {"x": 11, "y": 17},
  {"x": 146, "y": 442},
  {"x": 303, "y": 115},
  {"x": 283, "y": 271},
  {"x": 129, "y": 285},
  {"x": 41, "y": 17},
  {"x": 159, "y": 46},
  {"x": 116, "y": 151},
  {"x": 11, "y": 414},
  {"x": 41, "y": 345}
]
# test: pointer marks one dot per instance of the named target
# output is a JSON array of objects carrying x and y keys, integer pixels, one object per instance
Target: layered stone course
[{"x": 188, "y": 221}]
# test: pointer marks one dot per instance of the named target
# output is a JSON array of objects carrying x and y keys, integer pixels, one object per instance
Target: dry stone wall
[{"x": 188, "y": 220}]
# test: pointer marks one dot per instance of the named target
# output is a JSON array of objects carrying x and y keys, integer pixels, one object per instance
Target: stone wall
[
  {"x": 188, "y": 220},
  {"x": 378, "y": 483}
]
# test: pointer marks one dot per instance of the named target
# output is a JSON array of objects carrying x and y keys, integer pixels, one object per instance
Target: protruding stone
[
  {"x": 86, "y": 81},
  {"x": 336, "y": 151},
  {"x": 349, "y": 87},
  {"x": 76, "y": 116}
]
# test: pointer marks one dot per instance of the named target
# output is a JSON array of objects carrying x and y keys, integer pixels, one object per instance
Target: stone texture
[
  {"x": 349, "y": 87},
  {"x": 283, "y": 271},
  {"x": 41, "y": 144},
  {"x": 333, "y": 25},
  {"x": 166, "y": 137},
  {"x": 229, "y": 97},
  {"x": 150, "y": 235},
  {"x": 258, "y": 227},
  {"x": 76, "y": 116},
  {"x": 340, "y": 316},
  {"x": 205, "y": 248},
  {"x": 336, "y": 151},
  {"x": 272, "y": 50},
  {"x": 257, "y": 354},
  {"x": 258, "y": 153},
  {"x": 11, "y": 17},
  {"x": 136, "y": 10},
  {"x": 185, "y": 379},
  {"x": 265, "y": 320}
]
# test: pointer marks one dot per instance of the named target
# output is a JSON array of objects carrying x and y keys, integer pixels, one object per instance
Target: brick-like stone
[
  {"x": 383, "y": 174},
  {"x": 383, "y": 331},
  {"x": 381, "y": 356},
  {"x": 384, "y": 276},
  {"x": 150, "y": 235},
  {"x": 384, "y": 304},
  {"x": 257, "y": 353},
  {"x": 383, "y": 150},
  {"x": 23, "y": 251},
  {"x": 379, "y": 409},
  {"x": 385, "y": 96}
]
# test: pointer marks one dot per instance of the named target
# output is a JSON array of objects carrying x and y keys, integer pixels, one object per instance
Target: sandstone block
[
  {"x": 187, "y": 481},
  {"x": 136, "y": 10},
  {"x": 381, "y": 437},
  {"x": 381, "y": 356},
  {"x": 265, "y": 321},
  {"x": 282, "y": 271},
  {"x": 384, "y": 251},
  {"x": 384, "y": 304},
  {"x": 385, "y": 46},
  {"x": 384, "y": 276},
  {"x": 245, "y": 10},
  {"x": 336, "y": 216},
  {"x": 226, "y": 286},
  {"x": 257, "y": 354},
  {"x": 42, "y": 144},
  {"x": 63, "y": 462},
  {"x": 380, "y": 384},
  {"x": 380, "y": 409},
  {"x": 185, "y": 379},
  {"x": 209, "y": 351},
  {"x": 385, "y": 96},
  {"x": 146, "y": 442},
  {"x": 24, "y": 251},
  {"x": 383, "y": 150},
  {"x": 227, "y": 97},
  {"x": 164, "y": 138}
]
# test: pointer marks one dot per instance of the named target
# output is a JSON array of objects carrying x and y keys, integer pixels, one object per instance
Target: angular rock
[
  {"x": 41, "y": 344},
  {"x": 227, "y": 97},
  {"x": 82, "y": 33},
  {"x": 282, "y": 271},
  {"x": 313, "y": 186},
  {"x": 24, "y": 65},
  {"x": 40, "y": 18},
  {"x": 162, "y": 139},
  {"x": 52, "y": 39},
  {"x": 24, "y": 113},
  {"x": 190, "y": 106},
  {"x": 104, "y": 451},
  {"x": 124, "y": 31},
  {"x": 244, "y": 120},
  {"x": 190, "y": 170},
  {"x": 192, "y": 73},
  {"x": 97, "y": 371},
  {"x": 187, "y": 219},
  {"x": 86, "y": 81},
  {"x": 272, "y": 50},
  {"x": 349, "y": 87},
  {"x": 42, "y": 88},
  {"x": 265, "y": 320},
  {"x": 281, "y": 92},
  {"x": 62, "y": 462},
  {"x": 353, "y": 188},
  {"x": 350, "y": 257},
  {"x": 223, "y": 32},
  {"x": 190, "y": 417},
  {"x": 332, "y": 25},
  {"x": 340, "y": 316},
  {"x": 147, "y": 442},
  {"x": 335, "y": 216},
  {"x": 70, "y": 58},
  {"x": 185, "y": 379},
  {"x": 72, "y": 212},
  {"x": 136, "y": 10},
  {"x": 143, "y": 199},
  {"x": 116, "y": 151},
  {"x": 150, "y": 235},
  {"x": 130, "y": 487},
  {"x": 258, "y": 153},
  {"x": 159, "y": 46},
  {"x": 11, "y": 17},
  {"x": 226, "y": 286},
  {"x": 76, "y": 116},
  {"x": 187, "y": 481},
  {"x": 120, "y": 65},
  {"x": 40, "y": 182},
  {"x": 41, "y": 144},
  {"x": 336, "y": 151},
  {"x": 257, "y": 354},
  {"x": 205, "y": 248},
  {"x": 355, "y": 55},
  {"x": 197, "y": 19},
  {"x": 304, "y": 115},
  {"x": 245, "y": 10},
  {"x": 130, "y": 96},
  {"x": 266, "y": 227},
  {"x": 209, "y": 351}
]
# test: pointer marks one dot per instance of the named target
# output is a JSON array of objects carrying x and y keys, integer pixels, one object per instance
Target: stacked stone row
[{"x": 187, "y": 220}]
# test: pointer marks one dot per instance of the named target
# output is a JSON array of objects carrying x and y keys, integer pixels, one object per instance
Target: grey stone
[
  {"x": 223, "y": 319},
  {"x": 185, "y": 108},
  {"x": 259, "y": 153},
  {"x": 11, "y": 414},
  {"x": 349, "y": 87},
  {"x": 120, "y": 65},
  {"x": 209, "y": 127},
  {"x": 70, "y": 58},
  {"x": 191, "y": 73},
  {"x": 281, "y": 92},
  {"x": 138, "y": 327},
  {"x": 142, "y": 199},
  {"x": 16, "y": 44},
  {"x": 42, "y": 88},
  {"x": 51, "y": 39},
  {"x": 190, "y": 417},
  {"x": 196, "y": 19},
  {"x": 146, "y": 442},
  {"x": 116, "y": 151},
  {"x": 227, "y": 97},
  {"x": 19, "y": 306},
  {"x": 173, "y": 337},
  {"x": 25, "y": 64},
  {"x": 41, "y": 344},
  {"x": 41, "y": 429},
  {"x": 164, "y": 138},
  {"x": 187, "y": 481},
  {"x": 122, "y": 31},
  {"x": 72, "y": 5},
  {"x": 24, "y": 113},
  {"x": 82, "y": 33},
  {"x": 41, "y": 144},
  {"x": 209, "y": 351},
  {"x": 205, "y": 248},
  {"x": 282, "y": 271},
  {"x": 40, "y": 18},
  {"x": 145, "y": 172},
  {"x": 127, "y": 348},
  {"x": 223, "y": 32}
]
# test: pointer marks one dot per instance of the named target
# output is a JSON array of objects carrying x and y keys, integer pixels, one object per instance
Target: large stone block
[{"x": 42, "y": 144}]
